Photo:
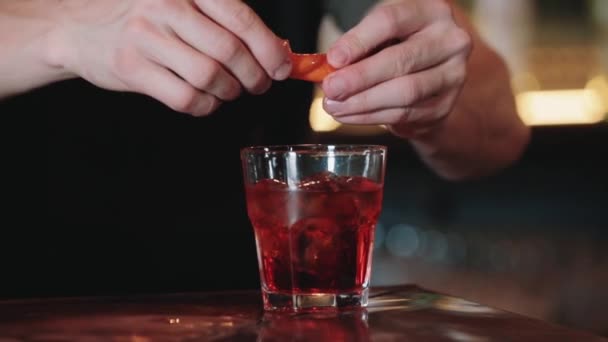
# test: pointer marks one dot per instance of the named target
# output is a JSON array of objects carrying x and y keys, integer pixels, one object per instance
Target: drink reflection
[{"x": 342, "y": 326}]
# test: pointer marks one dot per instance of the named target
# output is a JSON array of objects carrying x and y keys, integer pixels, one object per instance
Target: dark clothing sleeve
[{"x": 348, "y": 12}]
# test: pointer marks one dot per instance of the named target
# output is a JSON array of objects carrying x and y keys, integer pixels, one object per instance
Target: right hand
[{"x": 189, "y": 54}]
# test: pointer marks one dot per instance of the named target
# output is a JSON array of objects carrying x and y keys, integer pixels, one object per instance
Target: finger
[
  {"x": 389, "y": 116},
  {"x": 219, "y": 44},
  {"x": 197, "y": 69},
  {"x": 403, "y": 91},
  {"x": 383, "y": 23},
  {"x": 240, "y": 19},
  {"x": 414, "y": 117},
  {"x": 156, "y": 81},
  {"x": 425, "y": 49}
]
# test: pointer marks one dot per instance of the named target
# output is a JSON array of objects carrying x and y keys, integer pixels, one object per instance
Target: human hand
[
  {"x": 402, "y": 66},
  {"x": 189, "y": 54}
]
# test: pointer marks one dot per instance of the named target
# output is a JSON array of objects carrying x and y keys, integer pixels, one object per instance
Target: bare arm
[
  {"x": 483, "y": 132},
  {"x": 27, "y": 31},
  {"x": 190, "y": 55}
]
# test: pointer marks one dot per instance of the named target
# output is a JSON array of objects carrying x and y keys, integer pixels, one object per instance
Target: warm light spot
[
  {"x": 320, "y": 121},
  {"x": 561, "y": 107},
  {"x": 525, "y": 81},
  {"x": 599, "y": 84}
]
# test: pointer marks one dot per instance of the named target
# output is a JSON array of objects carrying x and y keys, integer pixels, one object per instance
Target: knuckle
[
  {"x": 186, "y": 101},
  {"x": 125, "y": 63},
  {"x": 229, "y": 48},
  {"x": 413, "y": 91},
  {"x": 138, "y": 27},
  {"x": 360, "y": 101},
  {"x": 207, "y": 106},
  {"x": 353, "y": 44},
  {"x": 356, "y": 79},
  {"x": 255, "y": 80},
  {"x": 244, "y": 18},
  {"x": 233, "y": 91},
  {"x": 463, "y": 40},
  {"x": 388, "y": 17},
  {"x": 404, "y": 63},
  {"x": 213, "y": 105},
  {"x": 261, "y": 84},
  {"x": 205, "y": 76}
]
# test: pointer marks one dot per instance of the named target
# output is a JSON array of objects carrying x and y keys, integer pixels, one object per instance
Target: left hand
[{"x": 402, "y": 66}]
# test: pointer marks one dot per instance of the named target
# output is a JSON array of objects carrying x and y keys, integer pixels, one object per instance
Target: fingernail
[
  {"x": 283, "y": 71},
  {"x": 335, "y": 87},
  {"x": 332, "y": 106},
  {"x": 337, "y": 57}
]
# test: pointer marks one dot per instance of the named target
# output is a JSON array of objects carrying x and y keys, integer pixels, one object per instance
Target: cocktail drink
[{"x": 313, "y": 209}]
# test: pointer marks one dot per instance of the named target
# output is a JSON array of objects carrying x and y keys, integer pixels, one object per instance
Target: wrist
[{"x": 453, "y": 148}]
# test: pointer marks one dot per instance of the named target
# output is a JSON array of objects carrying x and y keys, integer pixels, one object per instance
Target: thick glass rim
[{"x": 314, "y": 149}]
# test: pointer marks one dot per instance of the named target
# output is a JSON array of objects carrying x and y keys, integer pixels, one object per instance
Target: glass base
[{"x": 274, "y": 301}]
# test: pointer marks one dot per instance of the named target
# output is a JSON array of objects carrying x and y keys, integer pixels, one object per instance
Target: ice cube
[
  {"x": 357, "y": 183},
  {"x": 314, "y": 242},
  {"x": 271, "y": 185},
  {"x": 267, "y": 203},
  {"x": 344, "y": 207},
  {"x": 323, "y": 181}
]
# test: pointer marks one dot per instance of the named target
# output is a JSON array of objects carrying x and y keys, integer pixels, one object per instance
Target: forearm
[
  {"x": 483, "y": 133},
  {"x": 27, "y": 29}
]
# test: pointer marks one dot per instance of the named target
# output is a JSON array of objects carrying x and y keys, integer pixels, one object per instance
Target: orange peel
[{"x": 312, "y": 67}]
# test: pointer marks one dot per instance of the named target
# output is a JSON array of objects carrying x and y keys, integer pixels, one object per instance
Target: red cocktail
[{"x": 315, "y": 233}]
